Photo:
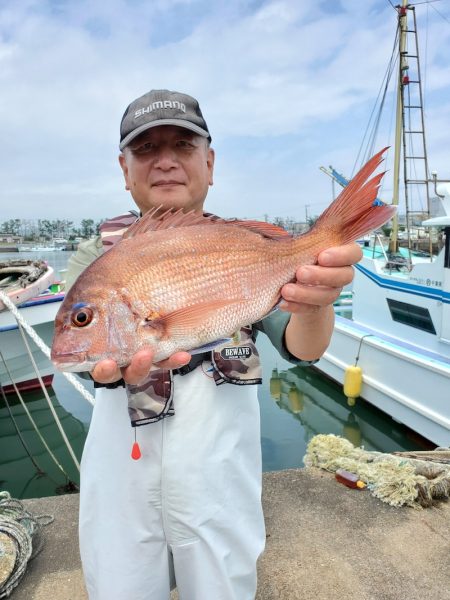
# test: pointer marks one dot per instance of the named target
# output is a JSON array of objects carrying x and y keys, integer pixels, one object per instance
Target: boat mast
[
  {"x": 403, "y": 27},
  {"x": 410, "y": 128}
]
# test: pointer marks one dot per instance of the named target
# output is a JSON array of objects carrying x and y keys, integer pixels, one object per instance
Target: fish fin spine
[{"x": 154, "y": 220}]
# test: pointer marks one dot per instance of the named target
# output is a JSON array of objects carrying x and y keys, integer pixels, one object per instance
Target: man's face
[{"x": 168, "y": 166}]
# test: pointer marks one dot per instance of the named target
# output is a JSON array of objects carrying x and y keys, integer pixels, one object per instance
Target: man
[{"x": 190, "y": 508}]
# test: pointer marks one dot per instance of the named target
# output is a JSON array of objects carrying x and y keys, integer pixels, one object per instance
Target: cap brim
[{"x": 177, "y": 122}]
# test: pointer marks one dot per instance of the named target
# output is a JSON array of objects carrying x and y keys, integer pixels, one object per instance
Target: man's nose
[{"x": 166, "y": 158}]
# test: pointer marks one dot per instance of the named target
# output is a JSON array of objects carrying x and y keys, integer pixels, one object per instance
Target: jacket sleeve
[
  {"x": 87, "y": 252},
  {"x": 274, "y": 326}
]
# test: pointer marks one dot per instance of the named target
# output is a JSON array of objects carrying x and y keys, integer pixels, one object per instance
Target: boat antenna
[{"x": 369, "y": 138}]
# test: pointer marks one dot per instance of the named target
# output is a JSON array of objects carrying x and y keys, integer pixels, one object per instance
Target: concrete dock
[{"x": 324, "y": 541}]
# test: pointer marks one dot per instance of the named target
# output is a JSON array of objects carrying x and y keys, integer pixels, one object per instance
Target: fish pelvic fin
[{"x": 356, "y": 211}]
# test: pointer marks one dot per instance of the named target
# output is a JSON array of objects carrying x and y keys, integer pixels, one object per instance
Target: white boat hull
[
  {"x": 40, "y": 314},
  {"x": 409, "y": 384}
]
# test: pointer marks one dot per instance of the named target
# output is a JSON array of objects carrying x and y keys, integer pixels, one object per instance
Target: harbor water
[{"x": 296, "y": 404}]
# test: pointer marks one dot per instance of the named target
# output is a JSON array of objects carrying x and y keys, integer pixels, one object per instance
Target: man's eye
[
  {"x": 184, "y": 144},
  {"x": 143, "y": 148}
]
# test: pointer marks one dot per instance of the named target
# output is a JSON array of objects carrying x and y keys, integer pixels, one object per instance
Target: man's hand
[
  {"x": 107, "y": 371},
  {"x": 311, "y": 297},
  {"x": 319, "y": 285}
]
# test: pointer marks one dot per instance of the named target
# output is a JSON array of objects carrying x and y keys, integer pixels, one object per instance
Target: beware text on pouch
[{"x": 237, "y": 352}]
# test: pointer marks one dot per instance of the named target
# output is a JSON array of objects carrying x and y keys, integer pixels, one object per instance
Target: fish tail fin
[{"x": 356, "y": 211}]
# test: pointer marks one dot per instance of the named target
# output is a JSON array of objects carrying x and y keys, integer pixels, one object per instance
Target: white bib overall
[{"x": 190, "y": 507}]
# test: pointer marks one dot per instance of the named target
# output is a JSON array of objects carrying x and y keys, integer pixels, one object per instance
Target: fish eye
[{"x": 82, "y": 316}]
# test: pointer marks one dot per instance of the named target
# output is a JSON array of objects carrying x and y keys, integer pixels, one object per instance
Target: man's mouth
[{"x": 166, "y": 183}]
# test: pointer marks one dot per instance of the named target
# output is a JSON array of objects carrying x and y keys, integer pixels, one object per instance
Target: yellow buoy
[
  {"x": 275, "y": 385},
  {"x": 296, "y": 399},
  {"x": 352, "y": 381},
  {"x": 352, "y": 430}
]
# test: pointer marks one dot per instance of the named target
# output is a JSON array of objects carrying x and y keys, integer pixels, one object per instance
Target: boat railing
[
  {"x": 394, "y": 262},
  {"x": 378, "y": 247}
]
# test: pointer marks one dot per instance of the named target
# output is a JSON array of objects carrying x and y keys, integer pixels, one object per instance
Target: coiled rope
[{"x": 20, "y": 541}]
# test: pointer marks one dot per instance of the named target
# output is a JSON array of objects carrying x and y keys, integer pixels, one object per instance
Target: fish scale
[{"x": 191, "y": 281}]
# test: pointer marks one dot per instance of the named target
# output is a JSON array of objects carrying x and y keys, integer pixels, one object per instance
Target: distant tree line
[
  {"x": 35, "y": 230},
  {"x": 43, "y": 229}
]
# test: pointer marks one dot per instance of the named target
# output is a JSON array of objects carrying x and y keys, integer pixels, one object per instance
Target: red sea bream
[{"x": 182, "y": 281}]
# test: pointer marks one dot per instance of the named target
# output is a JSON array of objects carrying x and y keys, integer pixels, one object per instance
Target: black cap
[{"x": 161, "y": 107}]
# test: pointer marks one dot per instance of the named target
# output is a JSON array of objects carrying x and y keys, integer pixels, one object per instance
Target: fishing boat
[
  {"x": 41, "y": 249},
  {"x": 21, "y": 280},
  {"x": 394, "y": 350},
  {"x": 32, "y": 287}
]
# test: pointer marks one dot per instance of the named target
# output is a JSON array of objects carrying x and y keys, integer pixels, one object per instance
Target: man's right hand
[{"x": 107, "y": 371}]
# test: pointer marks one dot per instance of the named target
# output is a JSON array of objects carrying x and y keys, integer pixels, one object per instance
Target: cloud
[{"x": 286, "y": 87}]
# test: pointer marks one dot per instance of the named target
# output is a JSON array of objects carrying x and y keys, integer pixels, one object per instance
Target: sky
[{"x": 286, "y": 86}]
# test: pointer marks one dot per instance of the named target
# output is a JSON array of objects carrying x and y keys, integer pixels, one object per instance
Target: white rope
[
  {"x": 23, "y": 325},
  {"x": 42, "y": 346},
  {"x": 49, "y": 402},
  {"x": 33, "y": 422}
]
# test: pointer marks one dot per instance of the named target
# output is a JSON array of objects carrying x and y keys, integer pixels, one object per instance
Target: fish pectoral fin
[{"x": 180, "y": 322}]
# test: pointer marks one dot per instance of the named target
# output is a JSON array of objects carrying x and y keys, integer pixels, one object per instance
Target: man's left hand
[{"x": 319, "y": 285}]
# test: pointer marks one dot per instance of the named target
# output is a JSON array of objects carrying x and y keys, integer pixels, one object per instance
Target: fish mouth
[
  {"x": 72, "y": 362},
  {"x": 74, "y": 367}
]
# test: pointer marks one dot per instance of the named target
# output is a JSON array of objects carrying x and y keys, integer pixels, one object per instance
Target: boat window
[{"x": 409, "y": 314}]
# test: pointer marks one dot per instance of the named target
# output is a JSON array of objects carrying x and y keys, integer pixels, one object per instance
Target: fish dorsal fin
[
  {"x": 155, "y": 220},
  {"x": 268, "y": 230}
]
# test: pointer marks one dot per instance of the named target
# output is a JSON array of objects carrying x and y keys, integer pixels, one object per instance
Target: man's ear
[
  {"x": 124, "y": 166},
  {"x": 210, "y": 162}
]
